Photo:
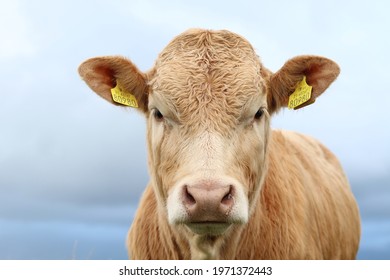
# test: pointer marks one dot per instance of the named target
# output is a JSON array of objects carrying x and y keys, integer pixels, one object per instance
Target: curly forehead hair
[{"x": 203, "y": 73}]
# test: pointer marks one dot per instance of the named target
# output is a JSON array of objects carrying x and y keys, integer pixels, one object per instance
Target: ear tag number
[
  {"x": 301, "y": 96},
  {"x": 123, "y": 97}
]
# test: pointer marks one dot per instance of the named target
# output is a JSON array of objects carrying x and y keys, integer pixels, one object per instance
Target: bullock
[{"x": 223, "y": 185}]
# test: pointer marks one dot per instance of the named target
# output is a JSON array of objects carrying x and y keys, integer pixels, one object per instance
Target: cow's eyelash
[
  {"x": 157, "y": 114},
  {"x": 259, "y": 114}
]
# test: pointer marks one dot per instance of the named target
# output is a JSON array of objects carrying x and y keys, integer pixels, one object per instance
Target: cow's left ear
[
  {"x": 102, "y": 74},
  {"x": 320, "y": 72}
]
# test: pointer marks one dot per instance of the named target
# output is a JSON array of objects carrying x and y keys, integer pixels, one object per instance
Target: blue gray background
[{"x": 73, "y": 167}]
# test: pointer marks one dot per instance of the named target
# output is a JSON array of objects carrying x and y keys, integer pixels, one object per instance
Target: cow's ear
[
  {"x": 319, "y": 73},
  {"x": 102, "y": 74}
]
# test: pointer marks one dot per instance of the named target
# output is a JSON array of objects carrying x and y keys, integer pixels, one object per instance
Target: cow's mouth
[{"x": 208, "y": 228}]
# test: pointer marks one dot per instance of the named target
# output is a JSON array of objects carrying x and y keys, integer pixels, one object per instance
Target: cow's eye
[
  {"x": 157, "y": 115},
  {"x": 259, "y": 113}
]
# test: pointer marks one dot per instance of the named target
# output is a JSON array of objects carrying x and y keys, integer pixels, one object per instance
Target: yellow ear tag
[
  {"x": 301, "y": 96},
  {"x": 123, "y": 97}
]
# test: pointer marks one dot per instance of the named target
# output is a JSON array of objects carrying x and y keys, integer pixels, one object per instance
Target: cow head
[{"x": 208, "y": 101}]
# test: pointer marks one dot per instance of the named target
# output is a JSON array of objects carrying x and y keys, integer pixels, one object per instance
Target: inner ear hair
[
  {"x": 320, "y": 72},
  {"x": 103, "y": 73}
]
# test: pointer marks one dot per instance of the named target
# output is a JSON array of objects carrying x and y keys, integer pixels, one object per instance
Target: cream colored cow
[{"x": 223, "y": 185}]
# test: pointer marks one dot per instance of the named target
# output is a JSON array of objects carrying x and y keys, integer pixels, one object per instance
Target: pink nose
[{"x": 208, "y": 201}]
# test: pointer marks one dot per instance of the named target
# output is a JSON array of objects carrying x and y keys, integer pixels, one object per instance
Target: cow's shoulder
[
  {"x": 300, "y": 151},
  {"x": 305, "y": 194}
]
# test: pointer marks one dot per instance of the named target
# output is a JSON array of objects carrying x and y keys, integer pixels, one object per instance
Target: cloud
[
  {"x": 73, "y": 160},
  {"x": 373, "y": 196},
  {"x": 59, "y": 240},
  {"x": 35, "y": 209},
  {"x": 74, "y": 167},
  {"x": 375, "y": 242},
  {"x": 15, "y": 30}
]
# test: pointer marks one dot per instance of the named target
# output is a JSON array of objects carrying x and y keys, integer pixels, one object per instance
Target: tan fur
[
  {"x": 305, "y": 211},
  {"x": 208, "y": 86}
]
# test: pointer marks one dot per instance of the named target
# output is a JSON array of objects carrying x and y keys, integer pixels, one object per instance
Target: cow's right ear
[{"x": 104, "y": 73}]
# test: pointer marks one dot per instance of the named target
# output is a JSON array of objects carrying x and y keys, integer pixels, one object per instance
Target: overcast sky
[{"x": 72, "y": 166}]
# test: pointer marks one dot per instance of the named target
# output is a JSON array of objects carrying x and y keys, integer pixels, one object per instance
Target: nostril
[
  {"x": 228, "y": 199},
  {"x": 188, "y": 198}
]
